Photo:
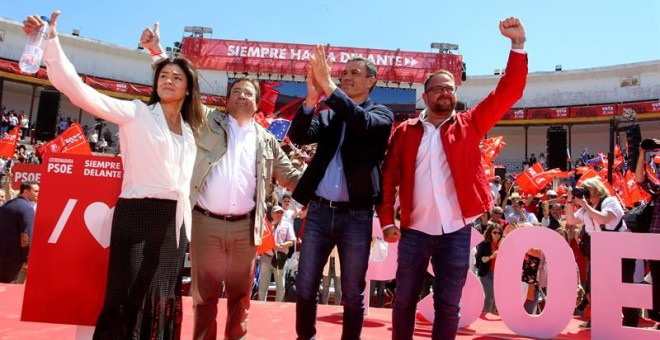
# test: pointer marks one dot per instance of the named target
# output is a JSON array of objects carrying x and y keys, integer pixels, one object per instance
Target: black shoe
[{"x": 586, "y": 325}]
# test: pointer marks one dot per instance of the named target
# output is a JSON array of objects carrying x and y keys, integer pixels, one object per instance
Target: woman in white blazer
[{"x": 143, "y": 295}]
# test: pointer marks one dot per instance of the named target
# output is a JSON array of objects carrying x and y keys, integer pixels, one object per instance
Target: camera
[
  {"x": 650, "y": 144},
  {"x": 580, "y": 193}
]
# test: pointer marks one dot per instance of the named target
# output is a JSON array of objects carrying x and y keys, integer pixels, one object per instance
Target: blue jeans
[
  {"x": 351, "y": 232},
  {"x": 450, "y": 257}
]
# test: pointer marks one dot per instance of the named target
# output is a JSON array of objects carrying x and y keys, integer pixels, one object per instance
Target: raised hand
[
  {"x": 580, "y": 202},
  {"x": 512, "y": 28},
  {"x": 321, "y": 67},
  {"x": 313, "y": 93},
  {"x": 34, "y": 22},
  {"x": 150, "y": 39}
]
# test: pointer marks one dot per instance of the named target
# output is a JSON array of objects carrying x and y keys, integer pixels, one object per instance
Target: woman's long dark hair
[
  {"x": 488, "y": 236},
  {"x": 191, "y": 110}
]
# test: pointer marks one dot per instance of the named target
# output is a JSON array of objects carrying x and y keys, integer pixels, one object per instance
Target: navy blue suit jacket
[{"x": 368, "y": 128}]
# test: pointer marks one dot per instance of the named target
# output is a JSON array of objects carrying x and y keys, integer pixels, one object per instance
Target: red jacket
[{"x": 461, "y": 136}]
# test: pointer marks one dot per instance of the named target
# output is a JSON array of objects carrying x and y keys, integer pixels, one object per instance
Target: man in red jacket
[{"x": 436, "y": 162}]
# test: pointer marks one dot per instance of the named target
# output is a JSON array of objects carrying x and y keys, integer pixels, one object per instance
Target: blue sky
[{"x": 576, "y": 34}]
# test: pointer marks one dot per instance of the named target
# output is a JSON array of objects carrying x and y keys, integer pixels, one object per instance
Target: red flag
[
  {"x": 260, "y": 119},
  {"x": 529, "y": 181},
  {"x": 491, "y": 147},
  {"x": 8, "y": 143},
  {"x": 591, "y": 173},
  {"x": 651, "y": 175},
  {"x": 618, "y": 157},
  {"x": 268, "y": 97},
  {"x": 631, "y": 193},
  {"x": 562, "y": 190},
  {"x": 267, "y": 238},
  {"x": 289, "y": 110},
  {"x": 582, "y": 170},
  {"x": 489, "y": 168},
  {"x": 71, "y": 141},
  {"x": 556, "y": 172}
]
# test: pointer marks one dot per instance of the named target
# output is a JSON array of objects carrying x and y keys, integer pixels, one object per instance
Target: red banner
[
  {"x": 593, "y": 111},
  {"x": 213, "y": 100},
  {"x": 22, "y": 172},
  {"x": 640, "y": 107},
  {"x": 291, "y": 59},
  {"x": 9, "y": 66},
  {"x": 69, "y": 251},
  {"x": 547, "y": 113},
  {"x": 514, "y": 114},
  {"x": 71, "y": 141},
  {"x": 117, "y": 86},
  {"x": 106, "y": 84},
  {"x": 139, "y": 90},
  {"x": 8, "y": 143}
]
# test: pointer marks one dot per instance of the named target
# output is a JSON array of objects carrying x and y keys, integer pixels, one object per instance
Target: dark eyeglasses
[
  {"x": 441, "y": 89},
  {"x": 495, "y": 232}
]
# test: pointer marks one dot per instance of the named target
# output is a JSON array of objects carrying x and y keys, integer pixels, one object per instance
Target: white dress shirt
[
  {"x": 610, "y": 203},
  {"x": 230, "y": 186},
  {"x": 153, "y": 166},
  {"x": 435, "y": 204}
]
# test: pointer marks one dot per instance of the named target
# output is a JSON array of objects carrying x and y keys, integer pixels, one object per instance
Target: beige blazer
[{"x": 271, "y": 162}]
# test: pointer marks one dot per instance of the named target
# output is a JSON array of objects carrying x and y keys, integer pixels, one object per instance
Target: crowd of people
[
  {"x": 318, "y": 194},
  {"x": 30, "y": 150},
  {"x": 586, "y": 209}
]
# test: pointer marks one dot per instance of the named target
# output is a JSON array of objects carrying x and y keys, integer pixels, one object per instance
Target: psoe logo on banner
[
  {"x": 25, "y": 172},
  {"x": 97, "y": 217}
]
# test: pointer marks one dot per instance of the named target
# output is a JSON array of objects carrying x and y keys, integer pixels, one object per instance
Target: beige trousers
[{"x": 221, "y": 251}]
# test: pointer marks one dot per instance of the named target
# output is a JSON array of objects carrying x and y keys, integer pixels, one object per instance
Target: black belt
[
  {"x": 340, "y": 206},
  {"x": 228, "y": 218}
]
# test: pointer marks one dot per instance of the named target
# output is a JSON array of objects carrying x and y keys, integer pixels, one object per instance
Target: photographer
[
  {"x": 647, "y": 146},
  {"x": 598, "y": 211}
]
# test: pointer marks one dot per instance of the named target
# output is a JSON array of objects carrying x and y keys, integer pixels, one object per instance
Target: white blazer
[{"x": 147, "y": 149}]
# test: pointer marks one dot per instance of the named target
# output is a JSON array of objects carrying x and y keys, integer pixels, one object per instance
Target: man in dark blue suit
[
  {"x": 340, "y": 186},
  {"x": 17, "y": 218}
]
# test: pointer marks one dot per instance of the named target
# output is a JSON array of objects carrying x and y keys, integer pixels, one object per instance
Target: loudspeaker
[
  {"x": 556, "y": 148},
  {"x": 634, "y": 139},
  {"x": 500, "y": 171},
  {"x": 49, "y": 108}
]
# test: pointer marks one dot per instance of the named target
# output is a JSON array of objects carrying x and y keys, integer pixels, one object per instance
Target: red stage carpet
[{"x": 268, "y": 320}]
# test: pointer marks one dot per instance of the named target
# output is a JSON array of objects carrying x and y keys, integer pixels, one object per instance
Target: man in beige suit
[{"x": 236, "y": 159}]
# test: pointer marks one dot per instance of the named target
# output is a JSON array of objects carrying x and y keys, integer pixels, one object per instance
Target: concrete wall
[{"x": 578, "y": 87}]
